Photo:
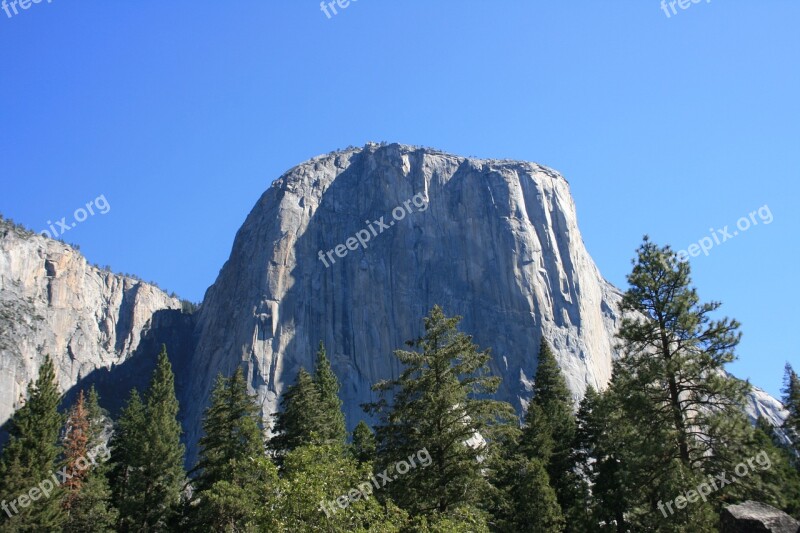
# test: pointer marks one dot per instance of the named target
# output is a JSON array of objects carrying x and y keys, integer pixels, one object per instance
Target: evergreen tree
[
  {"x": 536, "y": 509},
  {"x": 90, "y": 509},
  {"x": 99, "y": 422},
  {"x": 236, "y": 484},
  {"x": 232, "y": 434},
  {"x": 29, "y": 459},
  {"x": 672, "y": 388},
  {"x": 76, "y": 450},
  {"x": 440, "y": 404},
  {"x": 791, "y": 402},
  {"x": 330, "y": 406},
  {"x": 363, "y": 443},
  {"x": 549, "y": 431},
  {"x": 602, "y": 431},
  {"x": 152, "y": 456},
  {"x": 300, "y": 420},
  {"x": 127, "y": 449}
]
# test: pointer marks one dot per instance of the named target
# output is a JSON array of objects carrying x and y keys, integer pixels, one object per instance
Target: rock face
[
  {"x": 352, "y": 248},
  {"x": 53, "y": 302},
  {"x": 756, "y": 517},
  {"x": 494, "y": 241}
]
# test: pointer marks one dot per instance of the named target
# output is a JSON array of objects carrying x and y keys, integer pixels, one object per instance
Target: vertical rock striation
[
  {"x": 52, "y": 302},
  {"x": 495, "y": 241}
]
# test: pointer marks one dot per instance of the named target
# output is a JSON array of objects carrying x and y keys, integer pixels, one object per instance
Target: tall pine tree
[
  {"x": 299, "y": 420},
  {"x": 88, "y": 505},
  {"x": 672, "y": 386},
  {"x": 549, "y": 431},
  {"x": 29, "y": 458},
  {"x": 333, "y": 426},
  {"x": 440, "y": 404},
  {"x": 231, "y": 431},
  {"x": 151, "y": 456},
  {"x": 236, "y": 484},
  {"x": 791, "y": 402}
]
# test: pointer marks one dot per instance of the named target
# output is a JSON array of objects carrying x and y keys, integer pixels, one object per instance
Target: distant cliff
[{"x": 53, "y": 302}]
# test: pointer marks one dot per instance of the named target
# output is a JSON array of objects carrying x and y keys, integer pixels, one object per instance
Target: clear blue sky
[{"x": 182, "y": 113}]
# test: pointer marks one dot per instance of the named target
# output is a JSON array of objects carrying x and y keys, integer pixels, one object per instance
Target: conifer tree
[
  {"x": 151, "y": 455},
  {"x": 88, "y": 503},
  {"x": 300, "y": 420},
  {"x": 440, "y": 403},
  {"x": 236, "y": 484},
  {"x": 330, "y": 406},
  {"x": 363, "y": 443},
  {"x": 672, "y": 387},
  {"x": 127, "y": 449},
  {"x": 791, "y": 402},
  {"x": 232, "y": 432},
  {"x": 549, "y": 431},
  {"x": 76, "y": 450},
  {"x": 536, "y": 509},
  {"x": 29, "y": 458}
]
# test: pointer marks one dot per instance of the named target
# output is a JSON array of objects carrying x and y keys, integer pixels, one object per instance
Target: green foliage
[
  {"x": 299, "y": 421},
  {"x": 242, "y": 503},
  {"x": 332, "y": 428},
  {"x": 791, "y": 402},
  {"x": 363, "y": 443},
  {"x": 232, "y": 434},
  {"x": 549, "y": 432},
  {"x": 91, "y": 509},
  {"x": 315, "y": 476},
  {"x": 29, "y": 458},
  {"x": 671, "y": 384},
  {"x": 311, "y": 411},
  {"x": 440, "y": 403},
  {"x": 149, "y": 475}
]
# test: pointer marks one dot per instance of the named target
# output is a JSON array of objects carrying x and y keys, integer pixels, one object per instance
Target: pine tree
[
  {"x": 76, "y": 450},
  {"x": 330, "y": 406},
  {"x": 232, "y": 434},
  {"x": 363, "y": 443},
  {"x": 549, "y": 431},
  {"x": 127, "y": 449},
  {"x": 151, "y": 456},
  {"x": 235, "y": 484},
  {"x": 791, "y": 402},
  {"x": 440, "y": 404},
  {"x": 536, "y": 509},
  {"x": 90, "y": 510},
  {"x": 29, "y": 459},
  {"x": 672, "y": 387},
  {"x": 300, "y": 419}
]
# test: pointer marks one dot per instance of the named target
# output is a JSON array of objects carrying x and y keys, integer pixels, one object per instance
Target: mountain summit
[{"x": 353, "y": 249}]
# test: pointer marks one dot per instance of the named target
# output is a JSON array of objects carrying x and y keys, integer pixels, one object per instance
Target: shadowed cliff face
[{"x": 494, "y": 241}]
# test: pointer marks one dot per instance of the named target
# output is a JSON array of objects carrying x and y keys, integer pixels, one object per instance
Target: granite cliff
[{"x": 352, "y": 248}]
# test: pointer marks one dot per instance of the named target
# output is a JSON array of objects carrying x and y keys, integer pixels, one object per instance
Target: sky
[{"x": 172, "y": 118}]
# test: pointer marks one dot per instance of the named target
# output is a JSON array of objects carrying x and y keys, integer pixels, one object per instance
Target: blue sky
[{"x": 180, "y": 114}]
